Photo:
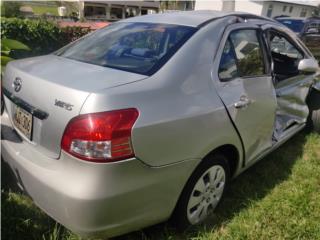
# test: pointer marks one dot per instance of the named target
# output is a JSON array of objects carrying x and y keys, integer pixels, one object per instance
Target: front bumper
[{"x": 95, "y": 199}]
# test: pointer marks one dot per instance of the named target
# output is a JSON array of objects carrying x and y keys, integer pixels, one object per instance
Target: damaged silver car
[{"x": 149, "y": 118}]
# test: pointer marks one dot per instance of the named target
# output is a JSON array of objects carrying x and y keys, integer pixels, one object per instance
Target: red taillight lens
[{"x": 101, "y": 137}]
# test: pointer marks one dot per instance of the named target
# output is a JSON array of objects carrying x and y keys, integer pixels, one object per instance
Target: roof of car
[{"x": 189, "y": 18}]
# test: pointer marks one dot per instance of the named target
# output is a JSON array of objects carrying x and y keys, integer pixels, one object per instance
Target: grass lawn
[
  {"x": 45, "y": 9},
  {"x": 39, "y": 10},
  {"x": 278, "y": 198}
]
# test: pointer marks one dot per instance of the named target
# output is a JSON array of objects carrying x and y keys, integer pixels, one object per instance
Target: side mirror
[
  {"x": 309, "y": 65},
  {"x": 312, "y": 31}
]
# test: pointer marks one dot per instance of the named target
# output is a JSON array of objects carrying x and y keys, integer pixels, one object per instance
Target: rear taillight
[{"x": 101, "y": 137}]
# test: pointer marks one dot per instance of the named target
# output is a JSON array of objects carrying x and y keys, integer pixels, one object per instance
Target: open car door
[{"x": 291, "y": 84}]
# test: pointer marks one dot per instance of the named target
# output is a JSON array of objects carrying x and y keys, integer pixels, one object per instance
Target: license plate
[{"x": 23, "y": 121}]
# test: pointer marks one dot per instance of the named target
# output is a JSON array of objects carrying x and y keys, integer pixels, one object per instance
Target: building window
[
  {"x": 131, "y": 12},
  {"x": 290, "y": 9},
  {"x": 284, "y": 8},
  {"x": 94, "y": 11},
  {"x": 186, "y": 5},
  {"x": 269, "y": 12},
  {"x": 303, "y": 12},
  {"x": 116, "y": 13}
]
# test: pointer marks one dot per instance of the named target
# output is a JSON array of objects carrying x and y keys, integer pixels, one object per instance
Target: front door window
[{"x": 285, "y": 56}]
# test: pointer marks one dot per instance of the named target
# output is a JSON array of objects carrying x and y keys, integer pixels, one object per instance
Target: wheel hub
[{"x": 206, "y": 194}]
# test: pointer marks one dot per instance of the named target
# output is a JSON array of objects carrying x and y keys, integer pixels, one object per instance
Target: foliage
[
  {"x": 278, "y": 198},
  {"x": 42, "y": 36},
  {"x": 73, "y": 33},
  {"x": 251, "y": 64},
  {"x": 10, "y": 8},
  {"x": 7, "y": 46}
]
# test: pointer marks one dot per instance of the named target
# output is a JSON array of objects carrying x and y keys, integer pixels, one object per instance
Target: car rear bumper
[{"x": 90, "y": 198}]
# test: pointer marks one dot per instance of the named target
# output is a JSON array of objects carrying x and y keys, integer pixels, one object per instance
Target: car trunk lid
[{"x": 57, "y": 87}]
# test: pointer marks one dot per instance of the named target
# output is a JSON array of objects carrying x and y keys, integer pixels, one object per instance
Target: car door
[
  {"x": 245, "y": 87},
  {"x": 292, "y": 86}
]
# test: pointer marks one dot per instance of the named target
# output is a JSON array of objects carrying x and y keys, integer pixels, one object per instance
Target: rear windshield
[
  {"x": 294, "y": 24},
  {"x": 135, "y": 47}
]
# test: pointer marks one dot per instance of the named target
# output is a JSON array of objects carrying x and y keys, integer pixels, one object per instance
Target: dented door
[
  {"x": 292, "y": 86},
  {"x": 292, "y": 107}
]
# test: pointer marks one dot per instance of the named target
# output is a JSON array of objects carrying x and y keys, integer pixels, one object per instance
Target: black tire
[
  {"x": 179, "y": 218},
  {"x": 315, "y": 118},
  {"x": 2, "y": 105},
  {"x": 2, "y": 100},
  {"x": 314, "y": 107}
]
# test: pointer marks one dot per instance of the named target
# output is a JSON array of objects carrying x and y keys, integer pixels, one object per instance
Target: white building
[
  {"x": 115, "y": 10},
  {"x": 294, "y": 8}
]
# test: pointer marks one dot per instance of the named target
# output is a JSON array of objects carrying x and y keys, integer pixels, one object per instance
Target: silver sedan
[{"x": 149, "y": 118}]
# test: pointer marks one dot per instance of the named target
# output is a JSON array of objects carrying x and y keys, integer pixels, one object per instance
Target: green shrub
[
  {"x": 42, "y": 36},
  {"x": 7, "y": 47},
  {"x": 73, "y": 33}
]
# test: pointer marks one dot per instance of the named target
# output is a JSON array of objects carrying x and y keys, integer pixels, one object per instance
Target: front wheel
[
  {"x": 315, "y": 118},
  {"x": 314, "y": 107},
  {"x": 202, "y": 192}
]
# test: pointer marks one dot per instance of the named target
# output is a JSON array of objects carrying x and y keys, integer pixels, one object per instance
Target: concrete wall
[
  {"x": 220, "y": 5},
  {"x": 208, "y": 5},
  {"x": 278, "y": 9},
  {"x": 249, "y": 6},
  {"x": 258, "y": 7}
]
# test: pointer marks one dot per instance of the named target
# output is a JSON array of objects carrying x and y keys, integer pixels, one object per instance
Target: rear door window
[
  {"x": 248, "y": 52},
  {"x": 228, "y": 64},
  {"x": 135, "y": 47},
  {"x": 242, "y": 56}
]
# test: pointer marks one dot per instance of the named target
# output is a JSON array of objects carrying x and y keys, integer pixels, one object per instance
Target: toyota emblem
[{"x": 17, "y": 84}]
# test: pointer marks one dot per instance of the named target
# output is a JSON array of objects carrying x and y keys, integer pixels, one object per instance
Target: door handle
[{"x": 243, "y": 102}]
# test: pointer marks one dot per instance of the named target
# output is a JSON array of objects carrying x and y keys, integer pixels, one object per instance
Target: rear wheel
[{"x": 202, "y": 192}]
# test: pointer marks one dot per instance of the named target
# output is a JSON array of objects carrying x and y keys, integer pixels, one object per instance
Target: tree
[{"x": 10, "y": 8}]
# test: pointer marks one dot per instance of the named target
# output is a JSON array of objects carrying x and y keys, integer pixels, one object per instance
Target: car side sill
[{"x": 274, "y": 147}]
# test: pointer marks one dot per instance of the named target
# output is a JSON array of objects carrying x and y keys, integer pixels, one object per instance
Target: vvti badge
[{"x": 62, "y": 104}]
